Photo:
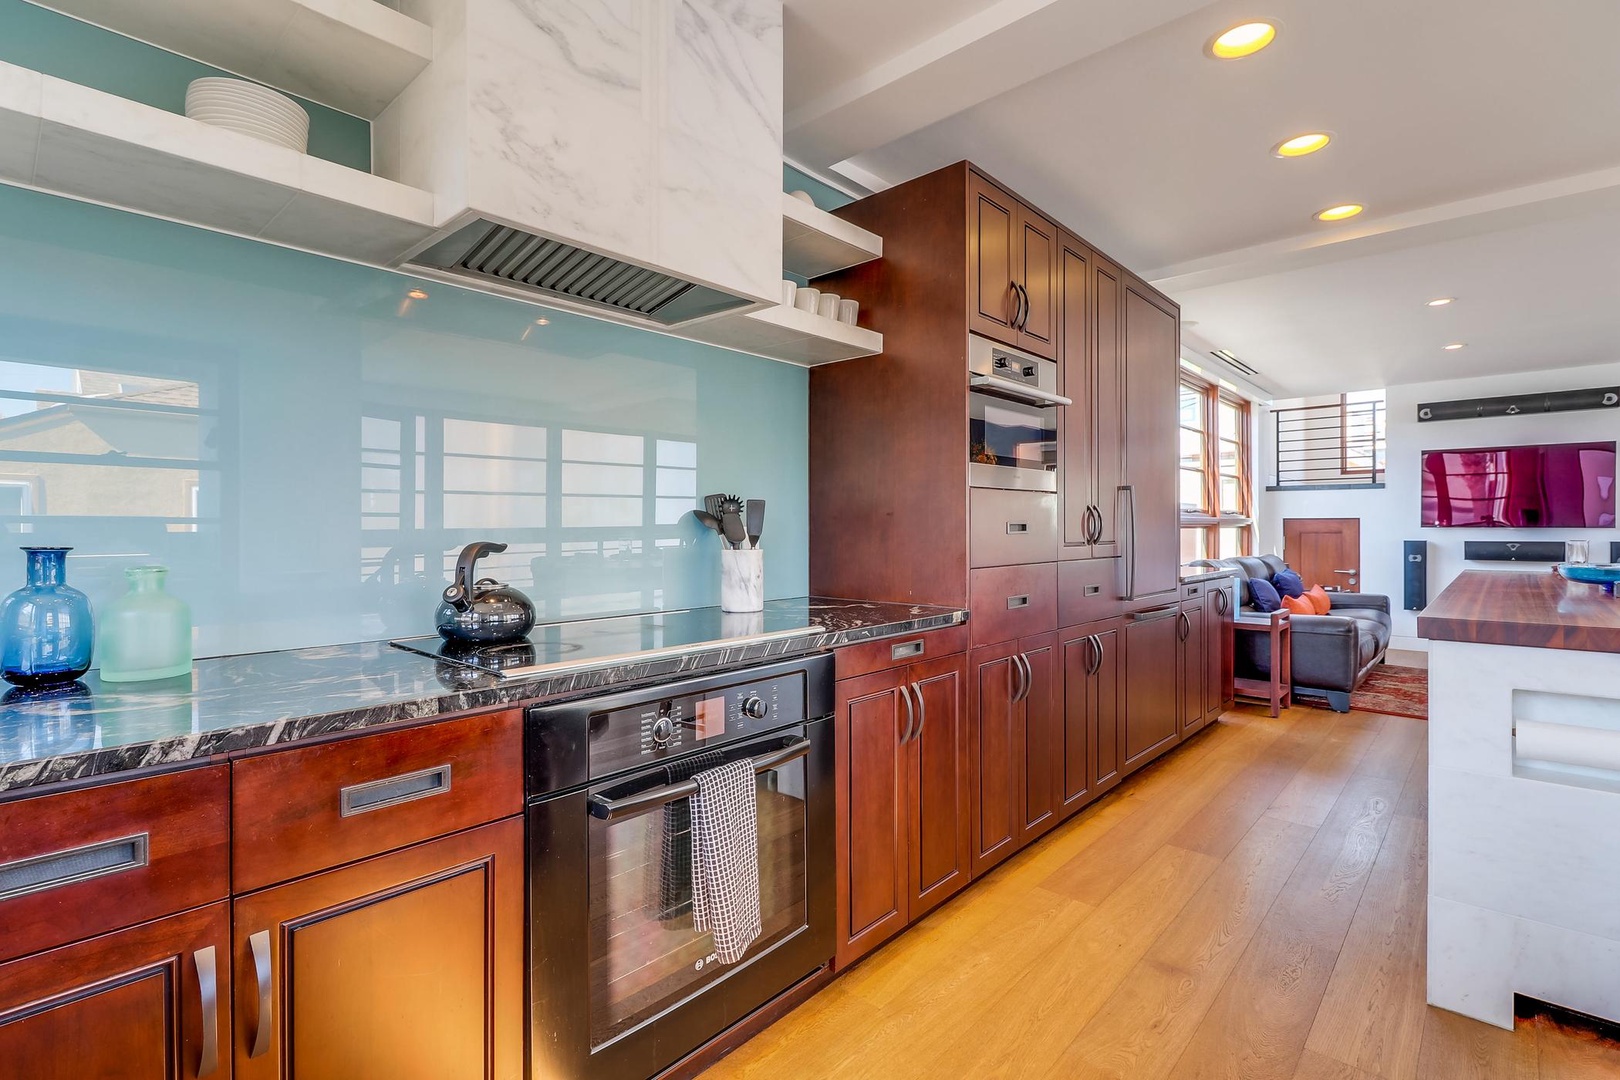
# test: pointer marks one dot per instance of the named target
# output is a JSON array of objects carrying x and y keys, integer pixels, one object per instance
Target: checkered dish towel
[{"x": 725, "y": 858}]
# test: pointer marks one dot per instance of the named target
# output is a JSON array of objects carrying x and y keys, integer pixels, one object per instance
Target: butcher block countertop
[{"x": 1536, "y": 609}]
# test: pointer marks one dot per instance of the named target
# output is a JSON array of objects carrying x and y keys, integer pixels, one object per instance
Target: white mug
[
  {"x": 827, "y": 305},
  {"x": 1577, "y": 551},
  {"x": 790, "y": 289},
  {"x": 805, "y": 299},
  {"x": 849, "y": 311}
]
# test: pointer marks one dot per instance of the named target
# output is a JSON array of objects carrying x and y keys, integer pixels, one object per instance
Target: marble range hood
[{"x": 618, "y": 157}]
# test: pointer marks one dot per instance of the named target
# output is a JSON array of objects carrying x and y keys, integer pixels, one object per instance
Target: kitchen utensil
[
  {"x": 849, "y": 311},
  {"x": 805, "y": 299},
  {"x": 755, "y": 521},
  {"x": 734, "y": 533},
  {"x": 711, "y": 503},
  {"x": 790, "y": 289},
  {"x": 482, "y": 611},
  {"x": 707, "y": 520},
  {"x": 827, "y": 305}
]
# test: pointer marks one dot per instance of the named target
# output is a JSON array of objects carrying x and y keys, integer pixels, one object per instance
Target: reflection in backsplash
[{"x": 309, "y": 443}]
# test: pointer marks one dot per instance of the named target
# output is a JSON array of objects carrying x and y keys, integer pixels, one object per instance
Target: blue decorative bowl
[{"x": 1592, "y": 574}]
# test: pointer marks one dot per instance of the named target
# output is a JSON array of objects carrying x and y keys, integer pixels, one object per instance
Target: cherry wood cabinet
[
  {"x": 1220, "y": 608},
  {"x": 1091, "y": 432},
  {"x": 1152, "y": 648},
  {"x": 406, "y": 964},
  {"x": 901, "y": 748},
  {"x": 1042, "y": 771},
  {"x": 1149, "y": 536},
  {"x": 1012, "y": 269},
  {"x": 147, "y": 1003},
  {"x": 1015, "y": 735},
  {"x": 1093, "y": 712},
  {"x": 1192, "y": 666}
]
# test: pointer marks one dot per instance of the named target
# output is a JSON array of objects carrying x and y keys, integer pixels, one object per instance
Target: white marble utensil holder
[{"x": 742, "y": 579}]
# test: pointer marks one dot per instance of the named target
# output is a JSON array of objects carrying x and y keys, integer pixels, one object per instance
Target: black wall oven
[{"x": 621, "y": 985}]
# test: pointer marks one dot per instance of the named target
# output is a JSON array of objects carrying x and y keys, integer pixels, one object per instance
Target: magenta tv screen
[{"x": 1550, "y": 486}]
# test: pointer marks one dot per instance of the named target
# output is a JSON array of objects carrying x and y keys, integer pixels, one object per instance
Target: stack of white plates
[{"x": 250, "y": 109}]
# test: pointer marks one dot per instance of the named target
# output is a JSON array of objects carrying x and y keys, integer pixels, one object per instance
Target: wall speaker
[
  {"x": 1602, "y": 397},
  {"x": 1513, "y": 550},
  {"x": 1614, "y": 551},
  {"x": 1415, "y": 574}
]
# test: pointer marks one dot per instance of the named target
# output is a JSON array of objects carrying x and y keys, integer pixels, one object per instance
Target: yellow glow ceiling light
[
  {"x": 1300, "y": 145},
  {"x": 1340, "y": 212},
  {"x": 1242, "y": 40}
]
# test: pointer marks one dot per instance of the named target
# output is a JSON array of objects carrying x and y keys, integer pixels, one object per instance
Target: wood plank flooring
[{"x": 1250, "y": 907}]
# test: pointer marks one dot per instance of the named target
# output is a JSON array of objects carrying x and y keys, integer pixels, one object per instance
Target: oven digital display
[{"x": 711, "y": 717}]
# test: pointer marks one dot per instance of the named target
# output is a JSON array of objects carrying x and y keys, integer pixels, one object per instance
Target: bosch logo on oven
[{"x": 711, "y": 958}]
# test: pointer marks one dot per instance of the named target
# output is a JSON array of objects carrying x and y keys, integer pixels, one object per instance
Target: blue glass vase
[{"x": 46, "y": 633}]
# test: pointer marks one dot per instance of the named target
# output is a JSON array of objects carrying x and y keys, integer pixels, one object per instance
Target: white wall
[{"x": 1391, "y": 514}]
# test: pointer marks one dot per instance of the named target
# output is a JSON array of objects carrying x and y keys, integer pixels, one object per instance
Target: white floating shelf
[
  {"x": 68, "y": 139},
  {"x": 815, "y": 242},
  {"x": 788, "y": 334},
  {"x": 354, "y": 55}
]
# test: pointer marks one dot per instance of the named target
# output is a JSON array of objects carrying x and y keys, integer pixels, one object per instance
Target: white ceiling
[{"x": 1483, "y": 136}]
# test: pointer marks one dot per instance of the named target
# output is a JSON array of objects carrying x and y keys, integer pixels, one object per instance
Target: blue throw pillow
[
  {"x": 1288, "y": 582},
  {"x": 1265, "y": 595}
]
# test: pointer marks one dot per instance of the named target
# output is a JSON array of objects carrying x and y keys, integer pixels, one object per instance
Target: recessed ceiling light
[
  {"x": 1340, "y": 212},
  {"x": 1242, "y": 40},
  {"x": 1300, "y": 145},
  {"x": 1441, "y": 301},
  {"x": 1455, "y": 345},
  {"x": 542, "y": 321},
  {"x": 417, "y": 294}
]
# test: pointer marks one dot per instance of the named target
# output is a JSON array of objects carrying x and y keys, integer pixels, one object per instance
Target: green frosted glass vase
[{"x": 146, "y": 633}]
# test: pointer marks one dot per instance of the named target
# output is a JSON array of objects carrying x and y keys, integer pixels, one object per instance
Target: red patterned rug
[{"x": 1393, "y": 691}]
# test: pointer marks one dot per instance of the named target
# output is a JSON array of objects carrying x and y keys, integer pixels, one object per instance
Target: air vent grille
[{"x": 1227, "y": 356}]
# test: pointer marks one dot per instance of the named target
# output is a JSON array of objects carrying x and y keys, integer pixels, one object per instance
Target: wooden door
[
  {"x": 1041, "y": 770},
  {"x": 1325, "y": 551},
  {"x": 1105, "y": 726},
  {"x": 1150, "y": 534},
  {"x": 1108, "y": 402},
  {"x": 1037, "y": 270},
  {"x": 875, "y": 715},
  {"x": 1092, "y": 680},
  {"x": 346, "y": 973},
  {"x": 1150, "y": 683},
  {"x": 148, "y": 1003},
  {"x": 993, "y": 243},
  {"x": 1192, "y": 668},
  {"x": 1077, "y": 431},
  {"x": 1219, "y": 611},
  {"x": 996, "y": 747},
  {"x": 939, "y": 834}
]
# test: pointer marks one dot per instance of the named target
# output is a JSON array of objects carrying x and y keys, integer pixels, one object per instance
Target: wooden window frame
[{"x": 1209, "y": 518}]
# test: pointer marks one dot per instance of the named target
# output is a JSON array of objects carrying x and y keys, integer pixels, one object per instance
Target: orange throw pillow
[
  {"x": 1299, "y": 605},
  {"x": 1319, "y": 600}
]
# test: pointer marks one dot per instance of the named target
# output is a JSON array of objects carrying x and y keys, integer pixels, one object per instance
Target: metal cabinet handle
[
  {"x": 1019, "y": 601},
  {"x": 208, "y": 997},
  {"x": 1018, "y": 305},
  {"x": 1185, "y": 630},
  {"x": 1097, "y": 654},
  {"x": 1015, "y": 528},
  {"x": 1223, "y": 603},
  {"x": 922, "y": 709},
  {"x": 1017, "y": 672},
  {"x": 1022, "y": 660},
  {"x": 37, "y": 873},
  {"x": 260, "y": 944},
  {"x": 1028, "y": 307},
  {"x": 393, "y": 790},
  {"x": 907, "y": 649},
  {"x": 1130, "y": 551},
  {"x": 1154, "y": 614},
  {"x": 911, "y": 714}
]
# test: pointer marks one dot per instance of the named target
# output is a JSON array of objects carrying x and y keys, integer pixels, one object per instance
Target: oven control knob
[
  {"x": 663, "y": 730},
  {"x": 755, "y": 707}
]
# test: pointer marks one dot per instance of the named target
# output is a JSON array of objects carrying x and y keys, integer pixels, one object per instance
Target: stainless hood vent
[{"x": 552, "y": 269}]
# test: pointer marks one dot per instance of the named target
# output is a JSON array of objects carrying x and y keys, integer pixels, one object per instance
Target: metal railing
[{"x": 1338, "y": 445}]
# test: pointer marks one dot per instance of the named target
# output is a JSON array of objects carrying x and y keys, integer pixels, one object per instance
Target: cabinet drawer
[
  {"x": 1195, "y": 590},
  {"x": 1006, "y": 528},
  {"x": 892, "y": 652},
  {"x": 1088, "y": 589},
  {"x": 1007, "y": 602},
  {"x": 297, "y": 811},
  {"x": 84, "y": 862}
]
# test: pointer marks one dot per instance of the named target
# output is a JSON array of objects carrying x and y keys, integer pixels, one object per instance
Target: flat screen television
[{"x": 1550, "y": 486}]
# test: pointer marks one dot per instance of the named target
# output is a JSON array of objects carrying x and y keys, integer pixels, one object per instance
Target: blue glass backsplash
[{"x": 307, "y": 443}]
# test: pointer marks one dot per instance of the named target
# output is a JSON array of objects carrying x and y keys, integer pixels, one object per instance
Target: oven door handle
[
  {"x": 996, "y": 386},
  {"x": 608, "y": 809}
]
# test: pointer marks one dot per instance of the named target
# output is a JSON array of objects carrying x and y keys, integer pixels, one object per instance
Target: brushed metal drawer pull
[
  {"x": 908, "y": 649},
  {"x": 208, "y": 998},
  {"x": 407, "y": 787},
  {"x": 1093, "y": 590},
  {"x": 38, "y": 873},
  {"x": 1015, "y": 528},
  {"x": 1015, "y": 602},
  {"x": 260, "y": 944}
]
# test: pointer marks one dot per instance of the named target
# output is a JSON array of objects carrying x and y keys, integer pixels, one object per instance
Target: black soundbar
[
  {"x": 1513, "y": 550},
  {"x": 1602, "y": 397}
]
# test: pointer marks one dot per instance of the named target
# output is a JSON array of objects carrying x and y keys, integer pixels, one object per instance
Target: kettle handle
[{"x": 461, "y": 593}]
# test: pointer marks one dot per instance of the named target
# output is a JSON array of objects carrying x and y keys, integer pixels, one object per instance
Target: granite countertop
[
  {"x": 1530, "y": 608},
  {"x": 1190, "y": 574},
  {"x": 262, "y": 699}
]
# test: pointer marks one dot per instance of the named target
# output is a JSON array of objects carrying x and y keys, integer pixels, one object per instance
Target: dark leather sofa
[{"x": 1332, "y": 652}]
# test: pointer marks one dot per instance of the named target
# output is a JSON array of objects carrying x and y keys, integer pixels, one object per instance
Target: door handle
[
  {"x": 911, "y": 714},
  {"x": 393, "y": 790},
  {"x": 605, "y": 809},
  {"x": 1020, "y": 678},
  {"x": 1016, "y": 528},
  {"x": 1130, "y": 556},
  {"x": 1019, "y": 601},
  {"x": 1344, "y": 571},
  {"x": 1024, "y": 323},
  {"x": 1097, "y": 655},
  {"x": 922, "y": 709},
  {"x": 208, "y": 998},
  {"x": 260, "y": 944},
  {"x": 1018, "y": 305},
  {"x": 1184, "y": 631}
]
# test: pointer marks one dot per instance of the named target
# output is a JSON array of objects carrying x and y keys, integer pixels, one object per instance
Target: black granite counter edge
[{"x": 490, "y": 692}]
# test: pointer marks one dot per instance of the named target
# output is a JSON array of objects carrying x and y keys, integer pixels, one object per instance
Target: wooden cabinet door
[
  {"x": 1090, "y": 656},
  {"x": 1037, "y": 273},
  {"x": 874, "y": 716},
  {"x": 1041, "y": 774},
  {"x": 939, "y": 833},
  {"x": 1107, "y": 402},
  {"x": 1150, "y": 535},
  {"x": 993, "y": 243},
  {"x": 1107, "y": 722},
  {"x": 1218, "y": 614},
  {"x": 1151, "y": 646},
  {"x": 409, "y": 964},
  {"x": 1077, "y": 433},
  {"x": 1192, "y": 665},
  {"x": 147, "y": 1003},
  {"x": 996, "y": 748}
]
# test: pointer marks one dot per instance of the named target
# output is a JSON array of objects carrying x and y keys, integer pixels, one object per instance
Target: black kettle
[{"x": 483, "y": 612}]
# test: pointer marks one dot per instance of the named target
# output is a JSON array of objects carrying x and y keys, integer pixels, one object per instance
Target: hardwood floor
[{"x": 1250, "y": 907}]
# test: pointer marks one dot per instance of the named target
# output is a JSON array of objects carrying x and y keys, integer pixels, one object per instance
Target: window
[{"x": 1213, "y": 470}]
